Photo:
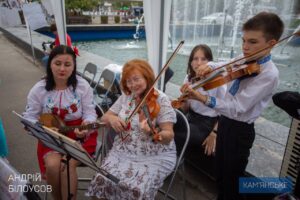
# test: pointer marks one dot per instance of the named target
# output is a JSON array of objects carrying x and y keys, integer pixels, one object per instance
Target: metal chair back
[
  {"x": 105, "y": 82},
  {"x": 181, "y": 119},
  {"x": 91, "y": 69}
]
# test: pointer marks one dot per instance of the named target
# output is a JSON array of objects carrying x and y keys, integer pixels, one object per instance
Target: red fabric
[
  {"x": 89, "y": 145},
  {"x": 69, "y": 42},
  {"x": 76, "y": 51}
]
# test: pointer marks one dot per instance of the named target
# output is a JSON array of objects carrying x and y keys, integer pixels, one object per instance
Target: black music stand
[{"x": 66, "y": 146}]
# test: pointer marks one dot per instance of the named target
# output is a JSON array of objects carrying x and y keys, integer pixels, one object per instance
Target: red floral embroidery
[
  {"x": 54, "y": 110},
  {"x": 73, "y": 107},
  {"x": 62, "y": 113}
]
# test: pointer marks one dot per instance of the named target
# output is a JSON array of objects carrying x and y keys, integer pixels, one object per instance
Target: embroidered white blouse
[{"x": 75, "y": 104}]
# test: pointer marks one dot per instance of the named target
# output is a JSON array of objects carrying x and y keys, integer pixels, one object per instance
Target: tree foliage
[{"x": 81, "y": 4}]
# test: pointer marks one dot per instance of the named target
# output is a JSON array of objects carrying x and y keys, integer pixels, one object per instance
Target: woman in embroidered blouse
[
  {"x": 139, "y": 163},
  {"x": 70, "y": 97}
]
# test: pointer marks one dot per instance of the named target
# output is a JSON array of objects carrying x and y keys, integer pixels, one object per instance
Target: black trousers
[
  {"x": 234, "y": 142},
  {"x": 200, "y": 128}
]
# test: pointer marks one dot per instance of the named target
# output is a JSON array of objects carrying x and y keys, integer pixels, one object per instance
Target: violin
[
  {"x": 148, "y": 104},
  {"x": 150, "y": 111},
  {"x": 152, "y": 105},
  {"x": 219, "y": 76},
  {"x": 54, "y": 121}
]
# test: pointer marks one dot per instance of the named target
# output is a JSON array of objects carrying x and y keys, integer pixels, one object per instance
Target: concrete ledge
[{"x": 23, "y": 43}]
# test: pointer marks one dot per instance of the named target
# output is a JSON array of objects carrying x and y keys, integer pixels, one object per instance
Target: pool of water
[{"x": 287, "y": 61}]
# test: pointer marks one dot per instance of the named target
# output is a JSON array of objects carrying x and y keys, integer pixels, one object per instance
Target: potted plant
[
  {"x": 104, "y": 19},
  {"x": 117, "y": 19}
]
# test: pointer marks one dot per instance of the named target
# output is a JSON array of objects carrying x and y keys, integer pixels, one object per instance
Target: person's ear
[{"x": 272, "y": 42}]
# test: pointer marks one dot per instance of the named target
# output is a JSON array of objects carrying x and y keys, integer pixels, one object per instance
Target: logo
[{"x": 265, "y": 185}]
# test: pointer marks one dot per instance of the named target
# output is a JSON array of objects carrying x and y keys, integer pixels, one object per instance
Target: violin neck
[
  {"x": 81, "y": 127},
  {"x": 147, "y": 115}
]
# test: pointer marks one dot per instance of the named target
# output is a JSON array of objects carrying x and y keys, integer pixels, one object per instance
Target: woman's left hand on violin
[
  {"x": 144, "y": 126},
  {"x": 165, "y": 133},
  {"x": 81, "y": 134},
  {"x": 189, "y": 92}
]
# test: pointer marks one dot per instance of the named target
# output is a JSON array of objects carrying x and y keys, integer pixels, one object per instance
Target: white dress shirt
[{"x": 252, "y": 95}]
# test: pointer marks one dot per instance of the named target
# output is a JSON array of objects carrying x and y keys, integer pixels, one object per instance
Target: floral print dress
[{"x": 140, "y": 164}]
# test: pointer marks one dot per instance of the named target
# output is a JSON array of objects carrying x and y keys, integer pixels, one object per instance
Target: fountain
[
  {"x": 187, "y": 22},
  {"x": 193, "y": 22},
  {"x": 136, "y": 35},
  {"x": 223, "y": 37}
]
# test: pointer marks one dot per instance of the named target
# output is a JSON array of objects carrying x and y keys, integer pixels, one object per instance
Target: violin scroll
[{"x": 176, "y": 104}]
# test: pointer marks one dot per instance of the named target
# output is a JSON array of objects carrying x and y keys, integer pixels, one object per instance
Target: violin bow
[
  {"x": 155, "y": 81},
  {"x": 203, "y": 81},
  {"x": 297, "y": 32},
  {"x": 139, "y": 105}
]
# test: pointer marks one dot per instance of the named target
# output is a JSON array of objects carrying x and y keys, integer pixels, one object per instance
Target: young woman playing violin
[
  {"x": 141, "y": 160},
  {"x": 69, "y": 97},
  {"x": 244, "y": 101},
  {"x": 202, "y": 120}
]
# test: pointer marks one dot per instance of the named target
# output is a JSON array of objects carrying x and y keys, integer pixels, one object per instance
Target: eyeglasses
[{"x": 136, "y": 79}]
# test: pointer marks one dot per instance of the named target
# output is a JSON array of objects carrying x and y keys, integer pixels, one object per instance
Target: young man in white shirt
[{"x": 244, "y": 101}]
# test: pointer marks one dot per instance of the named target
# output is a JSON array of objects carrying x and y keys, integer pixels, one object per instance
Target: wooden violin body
[
  {"x": 151, "y": 110},
  {"x": 152, "y": 104},
  {"x": 221, "y": 78},
  {"x": 177, "y": 103},
  {"x": 53, "y": 121},
  {"x": 232, "y": 74}
]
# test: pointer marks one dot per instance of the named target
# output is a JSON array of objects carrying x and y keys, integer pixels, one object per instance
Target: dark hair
[
  {"x": 207, "y": 53},
  {"x": 59, "y": 50},
  {"x": 269, "y": 23},
  {"x": 53, "y": 27}
]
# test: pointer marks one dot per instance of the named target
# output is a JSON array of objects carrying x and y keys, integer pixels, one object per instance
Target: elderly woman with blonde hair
[{"x": 139, "y": 163}]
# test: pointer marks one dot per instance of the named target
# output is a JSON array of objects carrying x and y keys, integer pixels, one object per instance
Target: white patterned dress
[{"x": 140, "y": 164}]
